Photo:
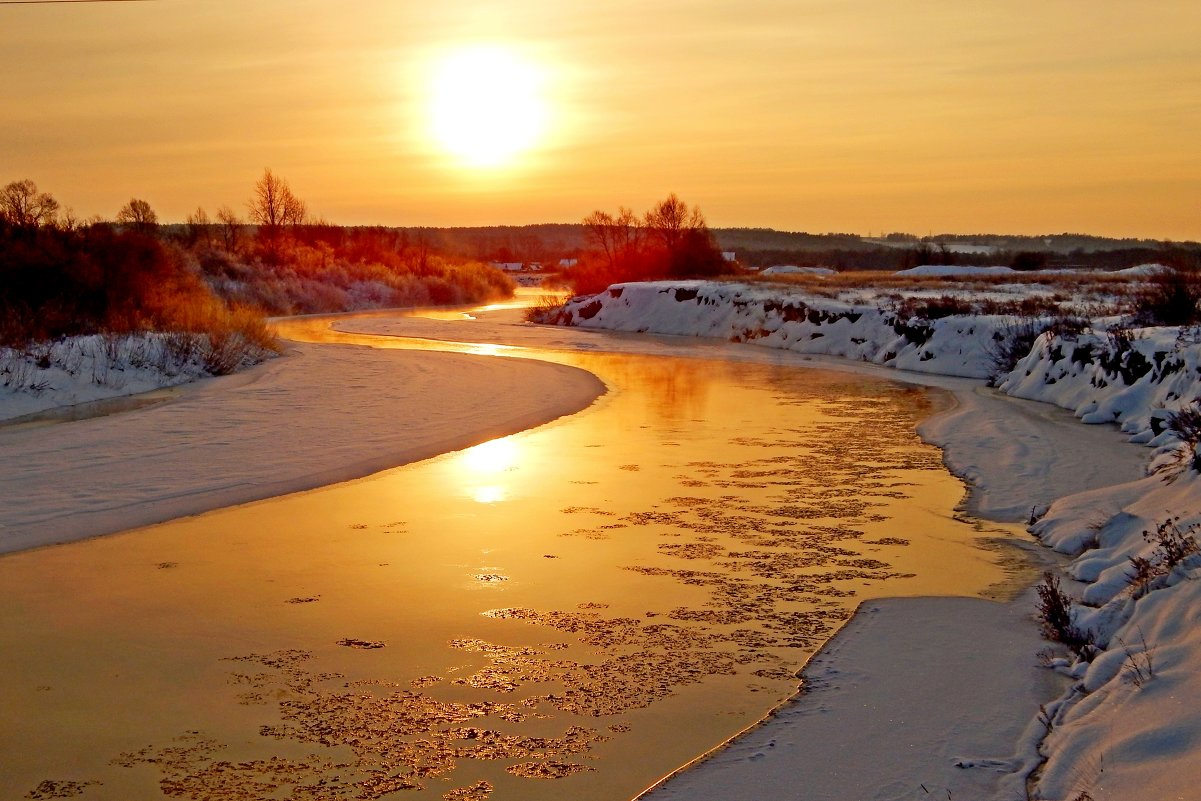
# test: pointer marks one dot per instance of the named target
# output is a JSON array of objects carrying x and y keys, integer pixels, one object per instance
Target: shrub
[
  {"x": 546, "y": 310},
  {"x": 926, "y": 253},
  {"x": 1186, "y": 424},
  {"x": 1120, "y": 357},
  {"x": 1143, "y": 572},
  {"x": 934, "y": 308},
  {"x": 1029, "y": 260},
  {"x": 1173, "y": 545},
  {"x": 18, "y": 370},
  {"x": 1010, "y": 345},
  {"x": 1171, "y": 297},
  {"x": 1055, "y": 612}
]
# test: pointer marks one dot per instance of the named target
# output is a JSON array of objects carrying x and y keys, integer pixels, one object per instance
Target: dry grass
[
  {"x": 885, "y": 279},
  {"x": 1091, "y": 294},
  {"x": 1055, "y": 614},
  {"x": 546, "y": 309}
]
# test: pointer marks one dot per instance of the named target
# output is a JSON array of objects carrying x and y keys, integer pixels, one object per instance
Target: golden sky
[{"x": 1005, "y": 116}]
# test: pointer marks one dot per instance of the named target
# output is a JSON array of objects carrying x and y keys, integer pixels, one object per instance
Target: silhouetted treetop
[
  {"x": 23, "y": 206},
  {"x": 138, "y": 216}
]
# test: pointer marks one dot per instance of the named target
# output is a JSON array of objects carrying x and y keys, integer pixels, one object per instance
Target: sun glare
[
  {"x": 482, "y": 467},
  {"x": 494, "y": 456},
  {"x": 486, "y": 105}
]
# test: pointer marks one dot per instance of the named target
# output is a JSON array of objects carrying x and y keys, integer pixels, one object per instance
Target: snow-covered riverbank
[
  {"x": 100, "y": 367},
  {"x": 1125, "y": 727},
  {"x": 319, "y": 415}
]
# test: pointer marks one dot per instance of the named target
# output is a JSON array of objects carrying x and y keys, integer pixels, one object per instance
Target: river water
[{"x": 570, "y": 612}]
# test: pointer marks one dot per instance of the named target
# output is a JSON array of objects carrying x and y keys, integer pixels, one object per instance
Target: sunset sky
[{"x": 1005, "y": 116}]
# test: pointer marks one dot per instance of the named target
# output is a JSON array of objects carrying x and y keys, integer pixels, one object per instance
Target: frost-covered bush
[{"x": 307, "y": 280}]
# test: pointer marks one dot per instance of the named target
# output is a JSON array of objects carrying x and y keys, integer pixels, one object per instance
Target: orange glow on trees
[{"x": 670, "y": 241}]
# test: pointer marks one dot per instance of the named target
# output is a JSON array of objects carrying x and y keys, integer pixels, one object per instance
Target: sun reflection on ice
[
  {"x": 488, "y": 494},
  {"x": 483, "y": 465}
]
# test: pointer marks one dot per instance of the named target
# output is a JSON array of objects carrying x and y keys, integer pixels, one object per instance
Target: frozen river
[{"x": 569, "y": 612}]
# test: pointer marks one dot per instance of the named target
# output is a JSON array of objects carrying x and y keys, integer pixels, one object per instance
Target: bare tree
[
  {"x": 686, "y": 243},
  {"x": 231, "y": 228},
  {"x": 69, "y": 220},
  {"x": 273, "y": 207},
  {"x": 671, "y": 220},
  {"x": 598, "y": 228},
  {"x": 416, "y": 252},
  {"x": 295, "y": 211},
  {"x": 617, "y": 237},
  {"x": 199, "y": 227},
  {"x": 138, "y": 215},
  {"x": 24, "y": 207}
]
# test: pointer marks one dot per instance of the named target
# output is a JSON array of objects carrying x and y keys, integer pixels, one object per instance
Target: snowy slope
[
  {"x": 771, "y": 317},
  {"x": 1128, "y": 377},
  {"x": 1129, "y": 727}
]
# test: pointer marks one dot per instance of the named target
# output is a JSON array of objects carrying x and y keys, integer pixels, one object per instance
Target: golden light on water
[
  {"x": 483, "y": 465},
  {"x": 495, "y": 456},
  {"x": 487, "y": 105},
  {"x": 488, "y": 494}
]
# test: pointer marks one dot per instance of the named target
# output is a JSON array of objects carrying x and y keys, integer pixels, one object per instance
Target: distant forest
[{"x": 546, "y": 243}]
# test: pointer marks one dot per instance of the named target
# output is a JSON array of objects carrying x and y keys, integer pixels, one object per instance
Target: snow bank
[
  {"x": 1143, "y": 269},
  {"x": 1132, "y": 378},
  {"x": 792, "y": 269},
  {"x": 1128, "y": 727},
  {"x": 85, "y": 369},
  {"x": 943, "y": 270},
  {"x": 322, "y": 414},
  {"x": 866, "y": 729},
  {"x": 936, "y": 270},
  {"x": 780, "y": 318}
]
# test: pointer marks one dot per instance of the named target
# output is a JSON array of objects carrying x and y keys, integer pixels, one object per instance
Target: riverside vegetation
[{"x": 193, "y": 298}]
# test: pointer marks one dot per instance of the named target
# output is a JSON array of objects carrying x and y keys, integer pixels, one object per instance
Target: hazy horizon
[{"x": 1018, "y": 117}]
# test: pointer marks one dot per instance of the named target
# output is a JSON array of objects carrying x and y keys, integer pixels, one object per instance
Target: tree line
[{"x": 61, "y": 275}]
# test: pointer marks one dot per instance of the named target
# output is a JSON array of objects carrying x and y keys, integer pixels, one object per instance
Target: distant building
[
  {"x": 565, "y": 263},
  {"x": 728, "y": 255},
  {"x": 509, "y": 266}
]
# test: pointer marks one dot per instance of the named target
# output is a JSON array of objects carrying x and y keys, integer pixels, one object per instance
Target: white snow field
[
  {"x": 1126, "y": 726},
  {"x": 915, "y": 698}
]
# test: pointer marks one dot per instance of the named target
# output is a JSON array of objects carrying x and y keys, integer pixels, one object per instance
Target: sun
[{"x": 486, "y": 105}]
